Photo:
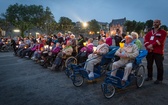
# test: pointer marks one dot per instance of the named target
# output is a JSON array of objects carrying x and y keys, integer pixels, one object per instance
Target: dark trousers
[
  {"x": 158, "y": 58},
  {"x": 58, "y": 59}
]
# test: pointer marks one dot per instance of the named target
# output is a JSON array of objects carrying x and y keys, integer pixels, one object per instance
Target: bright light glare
[{"x": 85, "y": 24}]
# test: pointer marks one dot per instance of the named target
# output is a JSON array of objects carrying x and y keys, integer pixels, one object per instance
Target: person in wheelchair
[
  {"x": 20, "y": 47},
  {"x": 51, "y": 55},
  {"x": 85, "y": 51},
  {"x": 96, "y": 57},
  {"x": 39, "y": 49},
  {"x": 127, "y": 56},
  {"x": 66, "y": 51}
]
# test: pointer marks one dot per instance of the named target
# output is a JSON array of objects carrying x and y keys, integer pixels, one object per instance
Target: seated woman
[
  {"x": 30, "y": 52},
  {"x": 51, "y": 54},
  {"x": 66, "y": 51},
  {"x": 20, "y": 47},
  {"x": 85, "y": 51},
  {"x": 96, "y": 57},
  {"x": 46, "y": 48},
  {"x": 25, "y": 52},
  {"x": 127, "y": 55},
  {"x": 38, "y": 50}
]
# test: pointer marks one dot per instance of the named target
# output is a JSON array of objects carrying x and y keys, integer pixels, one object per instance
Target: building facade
[{"x": 117, "y": 24}]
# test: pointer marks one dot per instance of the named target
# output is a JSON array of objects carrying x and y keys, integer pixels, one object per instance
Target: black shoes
[
  {"x": 148, "y": 79},
  {"x": 158, "y": 82}
]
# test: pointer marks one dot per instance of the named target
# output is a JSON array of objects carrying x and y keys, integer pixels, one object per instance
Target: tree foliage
[
  {"x": 65, "y": 24},
  {"x": 25, "y": 17},
  {"x": 149, "y": 24},
  {"x": 134, "y": 26},
  {"x": 164, "y": 27},
  {"x": 94, "y": 26}
]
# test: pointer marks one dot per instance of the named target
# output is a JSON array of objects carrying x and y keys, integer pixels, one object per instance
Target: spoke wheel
[
  {"x": 140, "y": 76},
  {"x": 78, "y": 80},
  {"x": 108, "y": 90},
  {"x": 70, "y": 60}
]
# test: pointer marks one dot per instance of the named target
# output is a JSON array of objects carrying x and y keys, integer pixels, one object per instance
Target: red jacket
[{"x": 157, "y": 40}]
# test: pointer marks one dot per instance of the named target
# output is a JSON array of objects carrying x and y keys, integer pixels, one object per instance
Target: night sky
[{"x": 101, "y": 10}]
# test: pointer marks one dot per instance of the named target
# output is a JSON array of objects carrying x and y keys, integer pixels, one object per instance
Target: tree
[
  {"x": 65, "y": 24},
  {"x": 128, "y": 25},
  {"x": 131, "y": 25},
  {"x": 50, "y": 25},
  {"x": 26, "y": 17},
  {"x": 149, "y": 24},
  {"x": 134, "y": 26},
  {"x": 139, "y": 27},
  {"x": 164, "y": 27},
  {"x": 94, "y": 26}
]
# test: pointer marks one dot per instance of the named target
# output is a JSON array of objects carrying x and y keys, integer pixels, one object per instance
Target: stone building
[{"x": 117, "y": 24}]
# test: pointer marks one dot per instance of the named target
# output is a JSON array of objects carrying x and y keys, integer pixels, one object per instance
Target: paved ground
[{"x": 23, "y": 82}]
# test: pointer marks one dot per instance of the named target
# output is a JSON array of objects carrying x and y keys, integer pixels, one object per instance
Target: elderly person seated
[
  {"x": 73, "y": 44},
  {"x": 32, "y": 45},
  {"x": 136, "y": 40},
  {"x": 39, "y": 49},
  {"x": 85, "y": 51},
  {"x": 20, "y": 47},
  {"x": 51, "y": 55},
  {"x": 66, "y": 51},
  {"x": 127, "y": 56},
  {"x": 96, "y": 57}
]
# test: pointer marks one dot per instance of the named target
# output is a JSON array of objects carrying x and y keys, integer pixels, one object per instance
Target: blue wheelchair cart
[
  {"x": 77, "y": 73},
  {"x": 137, "y": 74}
]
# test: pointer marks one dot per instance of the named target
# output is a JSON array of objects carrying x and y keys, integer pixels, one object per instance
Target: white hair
[{"x": 134, "y": 34}]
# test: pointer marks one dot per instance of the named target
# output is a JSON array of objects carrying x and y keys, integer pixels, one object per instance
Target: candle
[
  {"x": 84, "y": 43},
  {"x": 94, "y": 49},
  {"x": 121, "y": 44},
  {"x": 50, "y": 48}
]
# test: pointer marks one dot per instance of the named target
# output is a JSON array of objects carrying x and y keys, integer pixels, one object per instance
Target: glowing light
[
  {"x": 94, "y": 49},
  {"x": 46, "y": 47},
  {"x": 85, "y": 43},
  {"x": 37, "y": 33},
  {"x": 85, "y": 24},
  {"x": 50, "y": 48},
  {"x": 16, "y": 30}
]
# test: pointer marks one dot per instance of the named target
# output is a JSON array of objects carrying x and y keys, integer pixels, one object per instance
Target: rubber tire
[
  {"x": 140, "y": 76},
  {"x": 69, "y": 61},
  {"x": 108, "y": 91},
  {"x": 78, "y": 80}
]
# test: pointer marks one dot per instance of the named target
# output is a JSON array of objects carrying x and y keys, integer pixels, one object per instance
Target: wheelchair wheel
[
  {"x": 108, "y": 90},
  {"x": 70, "y": 60},
  {"x": 68, "y": 72},
  {"x": 78, "y": 80},
  {"x": 140, "y": 76}
]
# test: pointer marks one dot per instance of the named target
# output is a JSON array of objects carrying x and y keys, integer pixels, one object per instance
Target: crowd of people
[{"x": 51, "y": 50}]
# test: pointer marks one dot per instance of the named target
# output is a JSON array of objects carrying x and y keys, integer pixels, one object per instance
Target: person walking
[{"x": 154, "y": 42}]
